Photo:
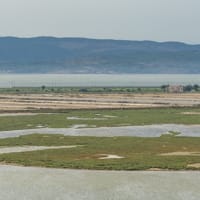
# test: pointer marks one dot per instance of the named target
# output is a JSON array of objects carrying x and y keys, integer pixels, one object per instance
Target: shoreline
[{"x": 95, "y": 170}]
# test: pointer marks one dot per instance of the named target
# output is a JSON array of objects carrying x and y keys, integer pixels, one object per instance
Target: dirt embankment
[{"x": 28, "y": 102}]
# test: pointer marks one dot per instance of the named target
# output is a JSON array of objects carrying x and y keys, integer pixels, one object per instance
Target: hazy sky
[{"x": 160, "y": 20}]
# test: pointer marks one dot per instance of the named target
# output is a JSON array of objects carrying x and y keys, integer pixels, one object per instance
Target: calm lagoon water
[
  {"x": 95, "y": 80},
  {"x": 57, "y": 184},
  {"x": 131, "y": 131}
]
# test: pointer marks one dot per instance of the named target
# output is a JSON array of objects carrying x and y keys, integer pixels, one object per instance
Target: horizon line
[{"x": 93, "y": 38}]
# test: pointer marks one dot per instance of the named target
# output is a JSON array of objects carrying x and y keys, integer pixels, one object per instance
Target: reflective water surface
[
  {"x": 139, "y": 131},
  {"x": 21, "y": 183},
  {"x": 96, "y": 80}
]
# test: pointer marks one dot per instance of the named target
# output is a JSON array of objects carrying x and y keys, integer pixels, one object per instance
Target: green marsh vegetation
[
  {"x": 44, "y": 89},
  {"x": 137, "y": 153},
  {"x": 103, "y": 118}
]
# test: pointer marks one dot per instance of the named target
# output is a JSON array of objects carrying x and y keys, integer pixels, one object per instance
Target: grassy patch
[
  {"x": 48, "y": 90},
  {"x": 138, "y": 153},
  {"x": 113, "y": 118}
]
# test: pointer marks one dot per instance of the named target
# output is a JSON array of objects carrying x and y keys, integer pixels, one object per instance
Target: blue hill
[{"x": 81, "y": 55}]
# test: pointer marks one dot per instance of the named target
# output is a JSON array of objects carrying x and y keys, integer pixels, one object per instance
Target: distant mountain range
[{"x": 80, "y": 55}]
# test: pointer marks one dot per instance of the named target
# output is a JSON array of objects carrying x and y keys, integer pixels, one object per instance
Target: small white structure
[{"x": 175, "y": 89}]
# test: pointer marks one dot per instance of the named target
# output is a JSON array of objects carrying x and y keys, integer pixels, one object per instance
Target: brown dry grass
[
  {"x": 26, "y": 102},
  {"x": 195, "y": 166}
]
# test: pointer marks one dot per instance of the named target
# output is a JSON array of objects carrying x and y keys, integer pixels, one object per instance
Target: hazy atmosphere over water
[{"x": 160, "y": 20}]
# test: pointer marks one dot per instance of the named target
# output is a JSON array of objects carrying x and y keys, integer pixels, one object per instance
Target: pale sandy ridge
[
  {"x": 27, "y": 102},
  {"x": 181, "y": 153}
]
